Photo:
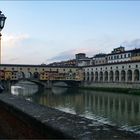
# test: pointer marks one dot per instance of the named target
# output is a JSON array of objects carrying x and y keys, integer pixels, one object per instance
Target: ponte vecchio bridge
[{"x": 40, "y": 73}]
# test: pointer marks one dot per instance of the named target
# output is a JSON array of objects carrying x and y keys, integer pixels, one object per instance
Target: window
[
  {"x": 12, "y": 68},
  {"x": 136, "y": 66},
  {"x": 124, "y": 55},
  {"x": 117, "y": 67},
  {"x": 129, "y": 55},
  {"x": 129, "y": 66},
  {"x": 123, "y": 67},
  {"x": 110, "y": 67},
  {"x": 121, "y": 55}
]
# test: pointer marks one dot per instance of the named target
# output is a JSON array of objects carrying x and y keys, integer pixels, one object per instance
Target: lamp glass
[{"x": 2, "y": 22}]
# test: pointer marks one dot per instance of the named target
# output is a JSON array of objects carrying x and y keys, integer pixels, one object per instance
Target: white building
[
  {"x": 117, "y": 72},
  {"x": 119, "y": 55}
]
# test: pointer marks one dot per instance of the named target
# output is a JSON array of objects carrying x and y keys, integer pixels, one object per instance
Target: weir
[{"x": 23, "y": 119}]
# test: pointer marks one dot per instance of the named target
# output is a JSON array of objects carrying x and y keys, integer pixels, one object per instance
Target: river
[{"x": 117, "y": 109}]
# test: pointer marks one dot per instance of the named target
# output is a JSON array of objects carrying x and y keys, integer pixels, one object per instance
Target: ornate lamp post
[{"x": 2, "y": 22}]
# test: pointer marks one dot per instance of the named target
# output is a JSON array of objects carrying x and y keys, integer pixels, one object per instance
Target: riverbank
[
  {"x": 107, "y": 89},
  {"x": 127, "y": 88}
]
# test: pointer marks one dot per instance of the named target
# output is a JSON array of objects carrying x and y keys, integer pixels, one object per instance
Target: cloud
[
  {"x": 14, "y": 40},
  {"x": 131, "y": 44},
  {"x": 70, "y": 54},
  {"x": 90, "y": 47}
]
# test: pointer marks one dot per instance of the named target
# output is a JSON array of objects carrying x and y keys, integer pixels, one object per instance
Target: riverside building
[{"x": 120, "y": 67}]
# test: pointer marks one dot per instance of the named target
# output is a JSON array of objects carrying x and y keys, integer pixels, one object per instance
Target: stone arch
[
  {"x": 106, "y": 76},
  {"x": 116, "y": 75},
  {"x": 92, "y": 76},
  {"x": 28, "y": 75},
  {"x": 101, "y": 76},
  {"x": 123, "y": 75},
  {"x": 87, "y": 76},
  {"x": 36, "y": 75},
  {"x": 21, "y": 75},
  {"x": 96, "y": 76},
  {"x": 111, "y": 75},
  {"x": 136, "y": 75},
  {"x": 129, "y": 75}
]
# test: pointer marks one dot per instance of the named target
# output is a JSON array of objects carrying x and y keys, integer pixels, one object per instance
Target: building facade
[
  {"x": 117, "y": 72},
  {"x": 40, "y": 72}
]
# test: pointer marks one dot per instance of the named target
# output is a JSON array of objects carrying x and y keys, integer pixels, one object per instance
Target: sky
[{"x": 39, "y": 32}]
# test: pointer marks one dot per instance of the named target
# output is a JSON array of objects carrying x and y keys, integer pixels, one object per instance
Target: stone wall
[{"x": 113, "y": 85}]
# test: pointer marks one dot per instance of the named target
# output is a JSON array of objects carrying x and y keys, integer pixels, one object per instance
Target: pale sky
[{"x": 38, "y": 32}]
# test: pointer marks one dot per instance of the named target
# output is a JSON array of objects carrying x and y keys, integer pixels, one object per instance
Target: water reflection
[
  {"x": 24, "y": 88},
  {"x": 58, "y": 90},
  {"x": 113, "y": 108}
]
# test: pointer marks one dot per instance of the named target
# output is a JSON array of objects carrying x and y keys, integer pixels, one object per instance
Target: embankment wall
[{"x": 20, "y": 118}]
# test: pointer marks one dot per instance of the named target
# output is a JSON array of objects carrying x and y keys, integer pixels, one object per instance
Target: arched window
[
  {"x": 87, "y": 76},
  {"x": 123, "y": 76},
  {"x": 116, "y": 75},
  {"x": 106, "y": 76},
  {"x": 129, "y": 75},
  {"x": 96, "y": 76},
  {"x": 136, "y": 75},
  {"x": 92, "y": 76},
  {"x": 111, "y": 76},
  {"x": 101, "y": 76},
  {"x": 36, "y": 75},
  {"x": 28, "y": 75},
  {"x": 21, "y": 75}
]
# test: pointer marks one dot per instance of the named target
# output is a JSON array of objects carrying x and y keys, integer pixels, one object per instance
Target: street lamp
[{"x": 2, "y": 22}]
